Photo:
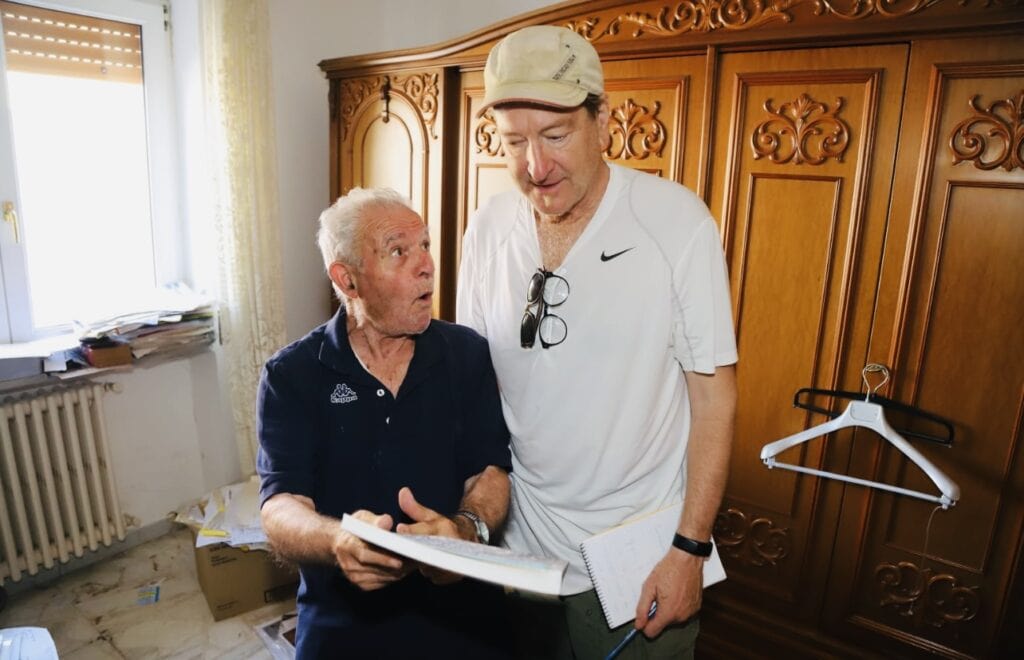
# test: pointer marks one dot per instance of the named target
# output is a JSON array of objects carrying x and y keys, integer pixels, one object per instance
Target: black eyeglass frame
[{"x": 529, "y": 327}]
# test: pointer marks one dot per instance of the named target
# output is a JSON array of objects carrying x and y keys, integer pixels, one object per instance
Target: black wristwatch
[
  {"x": 482, "y": 533},
  {"x": 698, "y": 548}
]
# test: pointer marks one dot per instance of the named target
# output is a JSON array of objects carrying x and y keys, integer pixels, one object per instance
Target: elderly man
[
  {"x": 604, "y": 296},
  {"x": 389, "y": 416}
]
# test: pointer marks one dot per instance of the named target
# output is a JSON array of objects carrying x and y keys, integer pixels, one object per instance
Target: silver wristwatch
[{"x": 482, "y": 533}]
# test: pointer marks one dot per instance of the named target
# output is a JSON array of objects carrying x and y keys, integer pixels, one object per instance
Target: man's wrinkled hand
[
  {"x": 427, "y": 521},
  {"x": 365, "y": 565}
]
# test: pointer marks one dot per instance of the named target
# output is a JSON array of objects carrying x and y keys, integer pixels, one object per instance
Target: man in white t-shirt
[{"x": 604, "y": 296}]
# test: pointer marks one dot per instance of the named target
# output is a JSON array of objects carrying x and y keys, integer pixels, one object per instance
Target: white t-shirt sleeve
[{"x": 703, "y": 333}]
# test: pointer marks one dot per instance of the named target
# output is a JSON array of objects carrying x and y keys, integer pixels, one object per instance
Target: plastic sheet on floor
[{"x": 27, "y": 643}]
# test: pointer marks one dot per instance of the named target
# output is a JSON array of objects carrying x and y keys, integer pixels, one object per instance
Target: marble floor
[{"x": 98, "y": 612}]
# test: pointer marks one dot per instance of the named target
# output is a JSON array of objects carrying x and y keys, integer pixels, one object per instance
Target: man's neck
[
  {"x": 385, "y": 356},
  {"x": 557, "y": 234}
]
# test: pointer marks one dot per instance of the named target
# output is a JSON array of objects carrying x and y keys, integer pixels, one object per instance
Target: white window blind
[{"x": 40, "y": 40}]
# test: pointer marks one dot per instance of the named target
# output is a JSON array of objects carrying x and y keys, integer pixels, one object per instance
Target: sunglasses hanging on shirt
[{"x": 546, "y": 290}]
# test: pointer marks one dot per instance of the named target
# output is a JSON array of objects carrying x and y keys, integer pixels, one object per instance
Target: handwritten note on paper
[{"x": 621, "y": 558}]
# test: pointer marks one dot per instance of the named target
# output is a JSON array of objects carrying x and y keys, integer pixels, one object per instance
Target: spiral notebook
[{"x": 620, "y": 559}]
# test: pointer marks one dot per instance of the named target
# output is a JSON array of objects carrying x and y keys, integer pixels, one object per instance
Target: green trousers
[{"x": 574, "y": 628}]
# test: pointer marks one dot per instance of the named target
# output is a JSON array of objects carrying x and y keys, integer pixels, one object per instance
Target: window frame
[{"x": 16, "y": 323}]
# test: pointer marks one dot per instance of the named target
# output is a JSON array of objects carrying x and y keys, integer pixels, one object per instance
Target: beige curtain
[{"x": 240, "y": 126}]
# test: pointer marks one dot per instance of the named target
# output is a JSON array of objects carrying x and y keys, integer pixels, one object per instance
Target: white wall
[
  {"x": 171, "y": 437},
  {"x": 303, "y": 34}
]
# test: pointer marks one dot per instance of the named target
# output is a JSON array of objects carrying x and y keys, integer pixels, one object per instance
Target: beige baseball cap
[{"x": 542, "y": 64}]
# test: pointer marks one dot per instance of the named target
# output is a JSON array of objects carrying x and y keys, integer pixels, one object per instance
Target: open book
[
  {"x": 620, "y": 559},
  {"x": 483, "y": 562}
]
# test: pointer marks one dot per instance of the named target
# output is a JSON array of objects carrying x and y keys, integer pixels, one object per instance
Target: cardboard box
[{"x": 236, "y": 581}]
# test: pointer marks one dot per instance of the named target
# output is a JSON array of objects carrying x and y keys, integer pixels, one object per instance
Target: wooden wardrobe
[{"x": 865, "y": 162}]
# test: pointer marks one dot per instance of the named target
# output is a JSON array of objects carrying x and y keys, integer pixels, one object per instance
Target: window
[{"x": 87, "y": 162}]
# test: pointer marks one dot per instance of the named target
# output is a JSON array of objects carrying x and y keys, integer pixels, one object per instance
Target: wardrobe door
[
  {"x": 950, "y": 323},
  {"x": 656, "y": 109},
  {"x": 801, "y": 172},
  {"x": 388, "y": 133}
]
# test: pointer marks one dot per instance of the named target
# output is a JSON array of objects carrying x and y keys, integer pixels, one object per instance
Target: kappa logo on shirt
[{"x": 343, "y": 394}]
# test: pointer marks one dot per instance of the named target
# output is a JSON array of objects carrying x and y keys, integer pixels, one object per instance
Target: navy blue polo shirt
[{"x": 332, "y": 432}]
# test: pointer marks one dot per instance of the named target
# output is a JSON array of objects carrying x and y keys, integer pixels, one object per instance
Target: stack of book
[
  {"x": 185, "y": 323},
  {"x": 169, "y": 333}
]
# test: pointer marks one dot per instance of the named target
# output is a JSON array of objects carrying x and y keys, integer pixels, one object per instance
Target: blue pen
[{"x": 629, "y": 636}]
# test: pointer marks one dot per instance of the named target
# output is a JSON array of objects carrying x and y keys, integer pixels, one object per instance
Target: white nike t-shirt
[{"x": 599, "y": 423}]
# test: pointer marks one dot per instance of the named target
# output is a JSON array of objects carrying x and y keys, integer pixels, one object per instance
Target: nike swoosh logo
[{"x": 609, "y": 257}]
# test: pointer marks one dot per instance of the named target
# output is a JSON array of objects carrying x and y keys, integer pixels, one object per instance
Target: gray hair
[{"x": 341, "y": 223}]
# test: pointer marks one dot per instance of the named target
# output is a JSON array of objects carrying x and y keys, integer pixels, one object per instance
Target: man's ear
[
  {"x": 343, "y": 277},
  {"x": 603, "y": 118}
]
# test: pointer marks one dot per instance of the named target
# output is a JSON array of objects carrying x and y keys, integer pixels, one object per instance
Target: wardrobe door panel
[
  {"x": 389, "y": 153},
  {"x": 656, "y": 108},
  {"x": 388, "y": 135},
  {"x": 951, "y": 325},
  {"x": 803, "y": 150}
]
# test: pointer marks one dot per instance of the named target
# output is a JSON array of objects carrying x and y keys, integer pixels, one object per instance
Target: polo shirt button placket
[
  {"x": 385, "y": 404},
  {"x": 387, "y": 417}
]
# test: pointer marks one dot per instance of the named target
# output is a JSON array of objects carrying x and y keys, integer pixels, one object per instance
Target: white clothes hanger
[{"x": 870, "y": 416}]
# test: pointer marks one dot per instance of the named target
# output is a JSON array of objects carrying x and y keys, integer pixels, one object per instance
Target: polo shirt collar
[{"x": 337, "y": 354}]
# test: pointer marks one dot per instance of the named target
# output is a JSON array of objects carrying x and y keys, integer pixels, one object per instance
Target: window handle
[{"x": 11, "y": 217}]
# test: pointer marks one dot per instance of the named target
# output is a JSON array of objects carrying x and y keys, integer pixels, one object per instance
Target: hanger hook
[{"x": 874, "y": 368}]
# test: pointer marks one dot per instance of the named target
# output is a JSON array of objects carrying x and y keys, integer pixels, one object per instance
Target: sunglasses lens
[
  {"x": 536, "y": 286},
  {"x": 528, "y": 330}
]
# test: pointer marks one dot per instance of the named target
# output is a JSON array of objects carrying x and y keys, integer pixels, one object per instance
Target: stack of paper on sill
[
  {"x": 475, "y": 560},
  {"x": 184, "y": 321},
  {"x": 176, "y": 320}
]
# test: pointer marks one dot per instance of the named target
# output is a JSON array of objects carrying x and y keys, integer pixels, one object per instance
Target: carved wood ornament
[
  {"x": 710, "y": 15},
  {"x": 937, "y": 599},
  {"x": 997, "y": 130},
  {"x": 689, "y": 16},
  {"x": 801, "y": 131},
  {"x": 635, "y": 132},
  {"x": 420, "y": 90},
  {"x": 353, "y": 93},
  {"x": 486, "y": 136},
  {"x": 756, "y": 542}
]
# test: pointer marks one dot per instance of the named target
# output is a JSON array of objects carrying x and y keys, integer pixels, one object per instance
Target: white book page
[{"x": 483, "y": 562}]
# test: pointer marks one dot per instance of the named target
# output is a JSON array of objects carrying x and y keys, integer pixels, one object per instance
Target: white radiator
[{"x": 57, "y": 492}]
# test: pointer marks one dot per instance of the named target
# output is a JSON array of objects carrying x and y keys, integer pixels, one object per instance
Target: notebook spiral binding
[{"x": 597, "y": 586}]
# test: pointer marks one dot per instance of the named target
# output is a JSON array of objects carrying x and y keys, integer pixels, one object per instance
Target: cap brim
[{"x": 550, "y": 94}]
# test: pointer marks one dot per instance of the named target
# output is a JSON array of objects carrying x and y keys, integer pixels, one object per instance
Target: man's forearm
[
  {"x": 486, "y": 495},
  {"x": 713, "y": 402},
  {"x": 297, "y": 532}
]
